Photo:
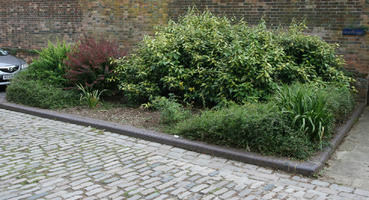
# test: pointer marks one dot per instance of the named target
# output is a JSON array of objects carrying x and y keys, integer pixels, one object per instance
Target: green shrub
[
  {"x": 38, "y": 93},
  {"x": 49, "y": 67},
  {"x": 204, "y": 60},
  {"x": 171, "y": 112},
  {"x": 309, "y": 58},
  {"x": 42, "y": 83},
  {"x": 253, "y": 127},
  {"x": 340, "y": 101}
]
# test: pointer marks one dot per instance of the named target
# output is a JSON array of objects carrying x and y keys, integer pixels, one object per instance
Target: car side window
[{"x": 3, "y": 52}]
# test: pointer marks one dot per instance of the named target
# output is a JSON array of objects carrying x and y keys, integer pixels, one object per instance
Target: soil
[{"x": 137, "y": 117}]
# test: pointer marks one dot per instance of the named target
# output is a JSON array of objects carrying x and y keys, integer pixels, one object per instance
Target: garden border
[{"x": 307, "y": 168}]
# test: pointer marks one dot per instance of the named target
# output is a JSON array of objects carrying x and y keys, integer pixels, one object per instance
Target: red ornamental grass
[{"x": 89, "y": 63}]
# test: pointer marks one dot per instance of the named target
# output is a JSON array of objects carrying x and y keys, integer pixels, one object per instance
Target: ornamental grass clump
[
  {"x": 91, "y": 98},
  {"x": 314, "y": 109},
  {"x": 307, "y": 110}
]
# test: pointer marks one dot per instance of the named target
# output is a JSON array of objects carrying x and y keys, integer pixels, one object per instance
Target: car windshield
[{"x": 3, "y": 52}]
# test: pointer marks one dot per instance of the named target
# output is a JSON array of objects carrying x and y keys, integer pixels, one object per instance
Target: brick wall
[{"x": 30, "y": 24}]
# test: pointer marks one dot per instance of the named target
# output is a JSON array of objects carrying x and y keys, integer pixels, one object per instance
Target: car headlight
[{"x": 25, "y": 65}]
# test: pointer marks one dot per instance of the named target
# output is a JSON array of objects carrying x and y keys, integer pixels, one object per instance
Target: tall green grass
[{"x": 313, "y": 109}]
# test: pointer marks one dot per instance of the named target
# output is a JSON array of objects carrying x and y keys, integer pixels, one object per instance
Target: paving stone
[
  {"x": 251, "y": 197},
  {"x": 135, "y": 197},
  {"x": 75, "y": 197},
  {"x": 199, "y": 187},
  {"x": 95, "y": 191},
  {"x": 221, "y": 191},
  {"x": 362, "y": 192},
  {"x": 152, "y": 196},
  {"x": 269, "y": 187},
  {"x": 320, "y": 183},
  {"x": 178, "y": 191},
  {"x": 37, "y": 196},
  {"x": 341, "y": 188},
  {"x": 147, "y": 191},
  {"x": 83, "y": 185},
  {"x": 228, "y": 194}
]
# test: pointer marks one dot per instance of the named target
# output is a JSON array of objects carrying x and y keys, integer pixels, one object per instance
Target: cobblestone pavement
[{"x": 46, "y": 159}]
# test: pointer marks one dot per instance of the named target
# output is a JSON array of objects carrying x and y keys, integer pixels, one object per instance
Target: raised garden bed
[{"x": 274, "y": 92}]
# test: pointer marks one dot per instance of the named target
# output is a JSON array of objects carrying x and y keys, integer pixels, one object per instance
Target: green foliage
[
  {"x": 39, "y": 93},
  {"x": 42, "y": 83},
  {"x": 203, "y": 60},
  {"x": 307, "y": 109},
  {"x": 294, "y": 123},
  {"x": 310, "y": 58},
  {"x": 49, "y": 67},
  {"x": 312, "y": 109},
  {"x": 171, "y": 112},
  {"x": 254, "y": 127},
  {"x": 91, "y": 98},
  {"x": 340, "y": 101}
]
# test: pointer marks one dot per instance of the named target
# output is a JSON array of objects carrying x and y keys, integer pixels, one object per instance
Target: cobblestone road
[{"x": 46, "y": 159}]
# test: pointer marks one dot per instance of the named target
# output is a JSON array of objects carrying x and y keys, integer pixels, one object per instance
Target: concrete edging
[{"x": 307, "y": 168}]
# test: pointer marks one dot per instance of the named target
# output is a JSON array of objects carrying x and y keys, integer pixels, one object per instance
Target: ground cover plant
[{"x": 213, "y": 79}]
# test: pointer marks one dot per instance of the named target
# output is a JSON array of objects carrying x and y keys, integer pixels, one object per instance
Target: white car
[{"x": 9, "y": 66}]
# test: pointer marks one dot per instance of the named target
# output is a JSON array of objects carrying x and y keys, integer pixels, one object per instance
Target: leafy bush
[
  {"x": 340, "y": 101},
  {"x": 49, "y": 67},
  {"x": 42, "y": 83},
  {"x": 309, "y": 58},
  {"x": 253, "y": 127},
  {"x": 312, "y": 109},
  {"x": 170, "y": 111},
  {"x": 39, "y": 93},
  {"x": 89, "y": 63},
  {"x": 204, "y": 60}
]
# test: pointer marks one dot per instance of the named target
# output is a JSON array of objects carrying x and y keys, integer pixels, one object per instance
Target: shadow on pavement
[{"x": 2, "y": 88}]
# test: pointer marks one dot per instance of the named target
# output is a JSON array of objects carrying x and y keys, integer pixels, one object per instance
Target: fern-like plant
[{"x": 49, "y": 66}]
